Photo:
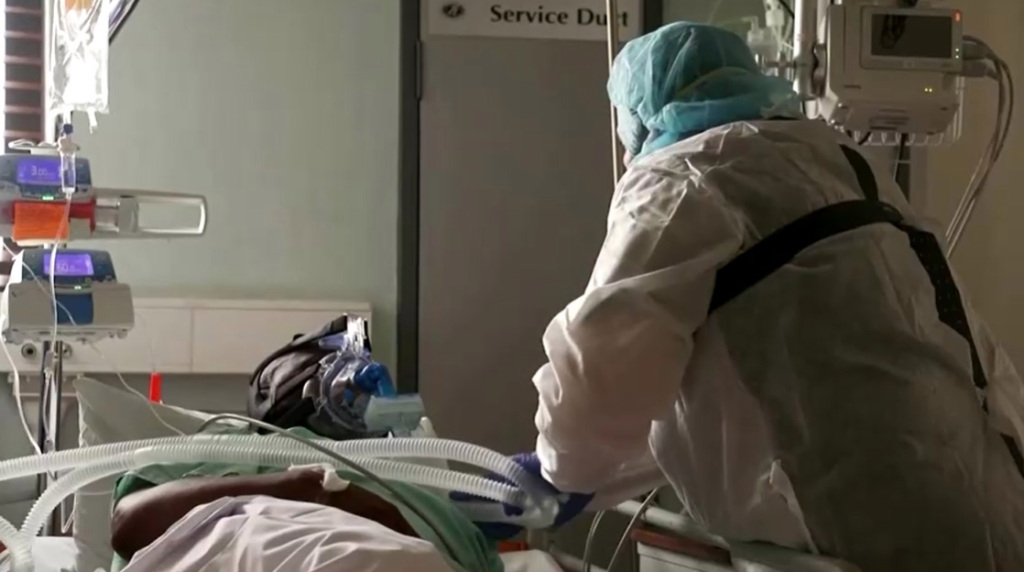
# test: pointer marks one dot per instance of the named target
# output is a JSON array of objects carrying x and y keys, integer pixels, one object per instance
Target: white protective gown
[{"x": 826, "y": 409}]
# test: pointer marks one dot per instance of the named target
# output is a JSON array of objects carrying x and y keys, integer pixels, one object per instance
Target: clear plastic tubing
[
  {"x": 253, "y": 454},
  {"x": 539, "y": 506},
  {"x": 367, "y": 448},
  {"x": 223, "y": 449},
  {"x": 538, "y": 503},
  {"x": 534, "y": 498},
  {"x": 19, "y": 546}
]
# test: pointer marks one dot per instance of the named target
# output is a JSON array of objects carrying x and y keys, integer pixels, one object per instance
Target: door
[{"x": 515, "y": 183}]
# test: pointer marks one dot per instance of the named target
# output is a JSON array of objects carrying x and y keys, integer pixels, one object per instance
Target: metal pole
[
  {"x": 41, "y": 479},
  {"x": 55, "y": 397},
  {"x": 612, "y": 7},
  {"x": 48, "y": 436},
  {"x": 804, "y": 39},
  {"x": 49, "y": 116}
]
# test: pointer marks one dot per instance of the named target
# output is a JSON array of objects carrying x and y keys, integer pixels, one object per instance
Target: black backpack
[{"x": 275, "y": 389}]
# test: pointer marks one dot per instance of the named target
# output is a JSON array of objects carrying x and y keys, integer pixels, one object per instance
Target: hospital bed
[
  {"x": 109, "y": 414},
  {"x": 53, "y": 554},
  {"x": 685, "y": 547},
  {"x": 58, "y": 554}
]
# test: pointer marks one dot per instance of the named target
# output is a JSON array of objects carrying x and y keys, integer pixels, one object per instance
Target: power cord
[
  {"x": 977, "y": 49},
  {"x": 789, "y": 11},
  {"x": 588, "y": 548},
  {"x": 633, "y": 522},
  {"x": 108, "y": 361},
  {"x": 588, "y": 556}
]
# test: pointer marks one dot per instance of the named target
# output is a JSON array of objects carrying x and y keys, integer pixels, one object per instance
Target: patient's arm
[{"x": 141, "y": 518}]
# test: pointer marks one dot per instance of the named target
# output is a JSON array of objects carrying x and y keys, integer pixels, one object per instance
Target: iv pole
[
  {"x": 52, "y": 362},
  {"x": 612, "y": 9},
  {"x": 53, "y": 354}
]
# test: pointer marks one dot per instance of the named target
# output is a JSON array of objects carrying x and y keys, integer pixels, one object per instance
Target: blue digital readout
[
  {"x": 42, "y": 171},
  {"x": 71, "y": 264}
]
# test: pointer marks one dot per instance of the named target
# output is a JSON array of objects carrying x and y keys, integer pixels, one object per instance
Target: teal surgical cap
[{"x": 687, "y": 78}]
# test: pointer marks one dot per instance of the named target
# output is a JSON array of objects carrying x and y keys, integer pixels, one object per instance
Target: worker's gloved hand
[{"x": 570, "y": 505}]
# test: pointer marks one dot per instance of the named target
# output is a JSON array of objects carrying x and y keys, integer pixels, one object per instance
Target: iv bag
[{"x": 79, "y": 62}]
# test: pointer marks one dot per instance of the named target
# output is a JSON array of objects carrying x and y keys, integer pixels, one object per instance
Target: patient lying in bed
[
  {"x": 180, "y": 518},
  {"x": 282, "y": 521}
]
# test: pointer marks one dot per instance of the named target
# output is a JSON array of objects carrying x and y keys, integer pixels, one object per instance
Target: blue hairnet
[{"x": 687, "y": 78}]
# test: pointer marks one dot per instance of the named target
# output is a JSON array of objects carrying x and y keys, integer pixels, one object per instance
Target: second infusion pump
[
  {"x": 890, "y": 69},
  {"x": 90, "y": 303}
]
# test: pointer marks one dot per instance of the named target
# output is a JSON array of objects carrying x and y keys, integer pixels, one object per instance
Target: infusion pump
[
  {"x": 90, "y": 303},
  {"x": 889, "y": 69}
]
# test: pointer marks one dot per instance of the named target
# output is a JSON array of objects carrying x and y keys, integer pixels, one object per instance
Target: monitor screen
[
  {"x": 42, "y": 171},
  {"x": 911, "y": 36},
  {"x": 69, "y": 264}
]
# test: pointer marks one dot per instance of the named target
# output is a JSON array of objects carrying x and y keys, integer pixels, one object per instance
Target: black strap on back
[{"x": 782, "y": 246}]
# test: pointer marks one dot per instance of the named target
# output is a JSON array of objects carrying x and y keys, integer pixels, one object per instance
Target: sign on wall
[{"x": 538, "y": 19}]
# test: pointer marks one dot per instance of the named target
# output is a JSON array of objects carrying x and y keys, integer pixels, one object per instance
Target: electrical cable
[
  {"x": 14, "y": 367},
  {"x": 340, "y": 458},
  {"x": 984, "y": 163},
  {"x": 17, "y": 398},
  {"x": 7, "y": 352},
  {"x": 588, "y": 548},
  {"x": 149, "y": 338},
  {"x": 45, "y": 386},
  {"x": 789, "y": 11},
  {"x": 974, "y": 196},
  {"x": 1004, "y": 118},
  {"x": 632, "y": 525},
  {"x": 93, "y": 346},
  {"x": 50, "y": 355},
  {"x": 152, "y": 408}
]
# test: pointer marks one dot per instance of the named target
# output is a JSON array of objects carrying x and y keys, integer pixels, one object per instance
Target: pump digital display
[
  {"x": 42, "y": 171},
  {"x": 72, "y": 264},
  {"x": 898, "y": 36}
]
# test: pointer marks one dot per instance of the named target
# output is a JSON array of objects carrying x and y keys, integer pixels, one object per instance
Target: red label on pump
[
  {"x": 156, "y": 387},
  {"x": 40, "y": 221}
]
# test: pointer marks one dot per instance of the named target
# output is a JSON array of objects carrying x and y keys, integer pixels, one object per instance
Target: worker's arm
[
  {"x": 141, "y": 518},
  {"x": 617, "y": 354}
]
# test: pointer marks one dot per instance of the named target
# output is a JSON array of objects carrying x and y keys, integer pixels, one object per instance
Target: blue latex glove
[{"x": 570, "y": 506}]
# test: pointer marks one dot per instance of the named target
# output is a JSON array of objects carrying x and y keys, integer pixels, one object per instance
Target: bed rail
[{"x": 746, "y": 557}]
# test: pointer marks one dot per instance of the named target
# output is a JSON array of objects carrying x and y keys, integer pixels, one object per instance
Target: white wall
[
  {"x": 725, "y": 13},
  {"x": 285, "y": 115},
  {"x": 990, "y": 259}
]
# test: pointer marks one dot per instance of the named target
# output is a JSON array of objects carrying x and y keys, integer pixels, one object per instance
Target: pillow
[{"x": 111, "y": 415}]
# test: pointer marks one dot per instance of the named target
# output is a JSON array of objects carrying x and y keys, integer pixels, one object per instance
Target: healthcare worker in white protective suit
[{"x": 831, "y": 406}]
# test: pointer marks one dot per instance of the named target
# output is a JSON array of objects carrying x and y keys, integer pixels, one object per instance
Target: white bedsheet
[
  {"x": 58, "y": 555},
  {"x": 532, "y": 561},
  {"x": 235, "y": 532}
]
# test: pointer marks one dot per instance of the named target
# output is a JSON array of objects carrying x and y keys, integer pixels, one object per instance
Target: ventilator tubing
[{"x": 94, "y": 463}]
